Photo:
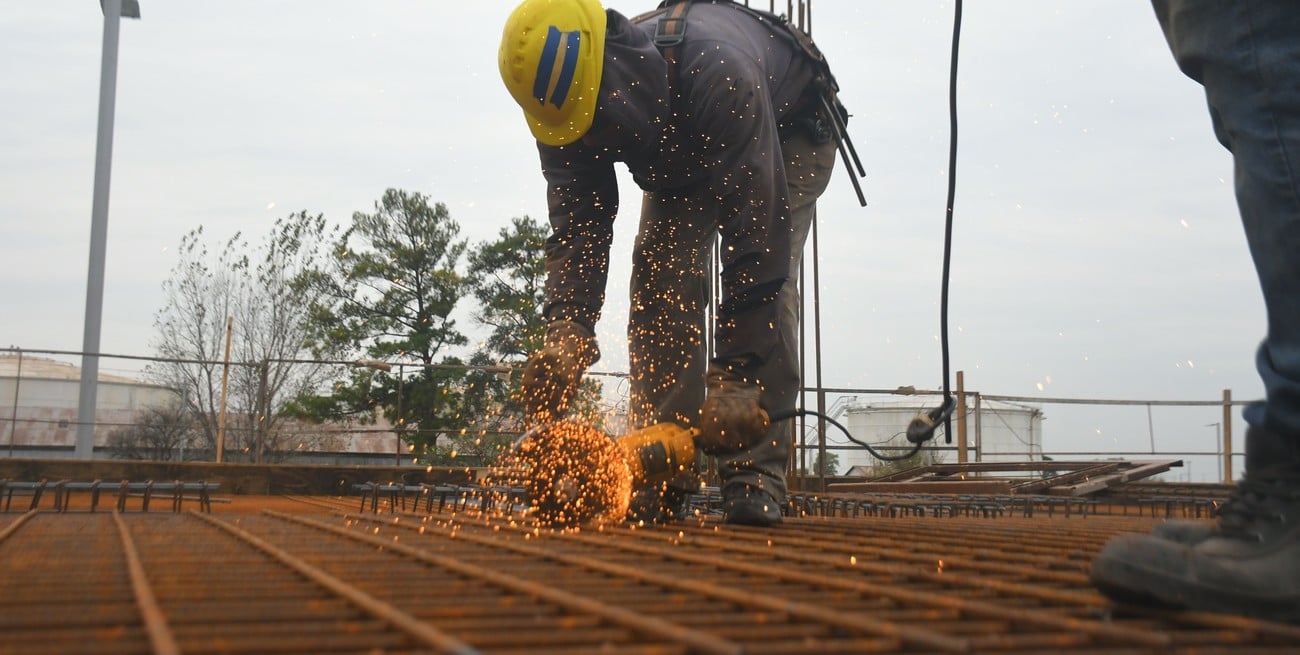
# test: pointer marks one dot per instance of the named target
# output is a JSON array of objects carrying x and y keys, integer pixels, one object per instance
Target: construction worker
[
  {"x": 1247, "y": 56},
  {"x": 722, "y": 123}
]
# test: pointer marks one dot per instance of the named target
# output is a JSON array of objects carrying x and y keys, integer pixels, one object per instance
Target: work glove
[
  {"x": 551, "y": 377},
  {"x": 732, "y": 418}
]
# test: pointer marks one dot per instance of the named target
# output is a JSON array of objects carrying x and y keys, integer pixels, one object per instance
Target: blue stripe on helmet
[
  {"x": 561, "y": 92},
  {"x": 542, "y": 79}
]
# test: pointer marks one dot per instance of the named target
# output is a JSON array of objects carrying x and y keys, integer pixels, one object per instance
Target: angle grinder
[{"x": 575, "y": 474}]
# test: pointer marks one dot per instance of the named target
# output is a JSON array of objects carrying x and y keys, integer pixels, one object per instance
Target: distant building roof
[{"x": 41, "y": 368}]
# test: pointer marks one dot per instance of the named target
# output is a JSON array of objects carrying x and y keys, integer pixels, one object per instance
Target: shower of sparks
[{"x": 575, "y": 475}]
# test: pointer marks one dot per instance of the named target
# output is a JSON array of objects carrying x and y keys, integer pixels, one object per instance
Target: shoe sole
[
  {"x": 1127, "y": 583},
  {"x": 743, "y": 515},
  {"x": 748, "y": 522}
]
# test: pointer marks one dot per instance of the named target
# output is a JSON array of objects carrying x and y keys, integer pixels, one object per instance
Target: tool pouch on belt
[
  {"x": 732, "y": 418},
  {"x": 831, "y": 120},
  {"x": 822, "y": 115},
  {"x": 551, "y": 378}
]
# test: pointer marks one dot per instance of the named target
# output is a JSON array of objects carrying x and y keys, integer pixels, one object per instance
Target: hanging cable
[
  {"x": 794, "y": 413},
  {"x": 922, "y": 427}
]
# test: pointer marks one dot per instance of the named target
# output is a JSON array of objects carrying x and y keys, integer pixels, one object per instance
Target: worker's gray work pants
[{"x": 669, "y": 297}]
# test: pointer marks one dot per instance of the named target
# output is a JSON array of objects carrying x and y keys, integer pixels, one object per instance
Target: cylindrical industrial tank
[{"x": 999, "y": 432}]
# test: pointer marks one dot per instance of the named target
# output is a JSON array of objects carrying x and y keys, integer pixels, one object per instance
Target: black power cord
[
  {"x": 922, "y": 428},
  {"x": 795, "y": 413}
]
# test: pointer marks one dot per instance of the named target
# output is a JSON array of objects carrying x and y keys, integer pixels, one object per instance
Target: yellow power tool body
[{"x": 658, "y": 453}]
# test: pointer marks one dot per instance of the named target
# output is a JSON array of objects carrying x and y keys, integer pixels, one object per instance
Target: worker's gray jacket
[{"x": 717, "y": 140}]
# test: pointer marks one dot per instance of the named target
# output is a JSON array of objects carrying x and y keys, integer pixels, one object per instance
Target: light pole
[{"x": 113, "y": 10}]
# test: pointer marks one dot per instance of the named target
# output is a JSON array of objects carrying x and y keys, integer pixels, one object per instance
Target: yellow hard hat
[{"x": 551, "y": 57}]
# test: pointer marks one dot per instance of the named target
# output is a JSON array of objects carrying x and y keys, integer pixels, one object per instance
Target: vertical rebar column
[
  {"x": 817, "y": 331},
  {"x": 799, "y": 461}
]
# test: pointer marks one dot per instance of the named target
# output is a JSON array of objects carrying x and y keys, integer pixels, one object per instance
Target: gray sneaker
[{"x": 1248, "y": 564}]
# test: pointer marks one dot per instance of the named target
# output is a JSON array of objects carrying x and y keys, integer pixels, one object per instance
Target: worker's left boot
[
  {"x": 752, "y": 492},
  {"x": 1249, "y": 564},
  {"x": 745, "y": 504},
  {"x": 753, "y": 479}
]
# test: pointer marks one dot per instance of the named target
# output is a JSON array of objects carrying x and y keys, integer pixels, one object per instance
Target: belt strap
[{"x": 669, "y": 32}]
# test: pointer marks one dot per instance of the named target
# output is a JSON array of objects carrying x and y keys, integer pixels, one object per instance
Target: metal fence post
[
  {"x": 225, "y": 384},
  {"x": 961, "y": 417},
  {"x": 1227, "y": 436},
  {"x": 13, "y": 418},
  {"x": 262, "y": 407}
]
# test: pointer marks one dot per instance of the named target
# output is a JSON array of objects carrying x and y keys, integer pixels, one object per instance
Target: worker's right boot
[
  {"x": 1249, "y": 564},
  {"x": 1185, "y": 531},
  {"x": 1262, "y": 449}
]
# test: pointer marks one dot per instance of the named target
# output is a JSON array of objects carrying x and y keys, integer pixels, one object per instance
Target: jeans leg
[
  {"x": 808, "y": 170},
  {"x": 666, "y": 323},
  {"x": 1247, "y": 55}
]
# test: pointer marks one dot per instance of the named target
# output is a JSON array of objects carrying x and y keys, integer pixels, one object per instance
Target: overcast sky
[{"x": 1098, "y": 252}]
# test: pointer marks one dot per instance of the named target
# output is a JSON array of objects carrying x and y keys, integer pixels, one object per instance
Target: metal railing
[
  {"x": 41, "y": 392},
  {"x": 1200, "y": 431}
]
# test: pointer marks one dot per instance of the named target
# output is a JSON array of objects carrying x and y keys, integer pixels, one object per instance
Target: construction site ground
[{"x": 347, "y": 574}]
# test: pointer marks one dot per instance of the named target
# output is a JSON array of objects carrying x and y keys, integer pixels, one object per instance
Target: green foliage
[
  {"x": 388, "y": 294},
  {"x": 508, "y": 278},
  {"x": 829, "y": 466},
  {"x": 344, "y": 400},
  {"x": 393, "y": 282},
  {"x": 383, "y": 290}
]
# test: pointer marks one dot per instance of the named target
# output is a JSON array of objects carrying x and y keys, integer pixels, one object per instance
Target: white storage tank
[
  {"x": 999, "y": 432},
  {"x": 38, "y": 405}
]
